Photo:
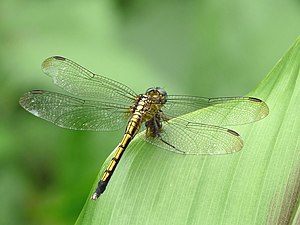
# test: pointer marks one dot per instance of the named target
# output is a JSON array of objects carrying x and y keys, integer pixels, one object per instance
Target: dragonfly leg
[{"x": 172, "y": 146}]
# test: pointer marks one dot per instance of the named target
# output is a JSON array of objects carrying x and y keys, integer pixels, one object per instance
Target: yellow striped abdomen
[{"x": 131, "y": 130}]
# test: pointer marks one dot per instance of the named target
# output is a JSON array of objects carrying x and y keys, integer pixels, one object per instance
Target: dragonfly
[{"x": 98, "y": 103}]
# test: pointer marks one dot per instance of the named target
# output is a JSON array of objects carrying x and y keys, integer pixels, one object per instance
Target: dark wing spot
[
  {"x": 59, "y": 58},
  {"x": 38, "y": 92},
  {"x": 254, "y": 99},
  {"x": 233, "y": 132}
]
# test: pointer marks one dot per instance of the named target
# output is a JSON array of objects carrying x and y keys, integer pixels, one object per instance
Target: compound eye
[
  {"x": 150, "y": 90},
  {"x": 161, "y": 91}
]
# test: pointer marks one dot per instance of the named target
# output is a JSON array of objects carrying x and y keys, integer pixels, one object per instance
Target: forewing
[
  {"x": 185, "y": 137},
  {"x": 74, "y": 113},
  {"x": 217, "y": 111},
  {"x": 81, "y": 82}
]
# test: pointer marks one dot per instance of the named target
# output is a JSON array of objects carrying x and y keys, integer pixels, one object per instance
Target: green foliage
[{"x": 258, "y": 185}]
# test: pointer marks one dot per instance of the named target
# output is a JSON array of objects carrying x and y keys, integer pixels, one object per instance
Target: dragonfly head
[{"x": 157, "y": 92}]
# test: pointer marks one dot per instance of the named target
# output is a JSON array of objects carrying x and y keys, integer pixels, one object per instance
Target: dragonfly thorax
[{"x": 149, "y": 104}]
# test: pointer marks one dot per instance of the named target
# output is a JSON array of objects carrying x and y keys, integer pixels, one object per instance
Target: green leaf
[{"x": 258, "y": 185}]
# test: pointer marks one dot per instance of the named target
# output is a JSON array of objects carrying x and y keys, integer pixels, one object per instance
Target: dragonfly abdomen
[{"x": 131, "y": 130}]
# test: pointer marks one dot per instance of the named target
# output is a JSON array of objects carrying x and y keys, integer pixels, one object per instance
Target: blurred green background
[{"x": 205, "y": 48}]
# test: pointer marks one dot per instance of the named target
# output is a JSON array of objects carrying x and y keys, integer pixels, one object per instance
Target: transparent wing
[
  {"x": 81, "y": 82},
  {"x": 217, "y": 111},
  {"x": 185, "y": 137},
  {"x": 74, "y": 113}
]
